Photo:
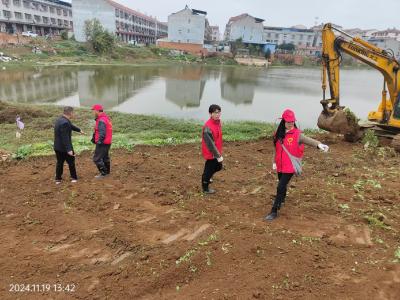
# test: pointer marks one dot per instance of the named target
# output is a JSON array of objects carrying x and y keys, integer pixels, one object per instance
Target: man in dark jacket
[
  {"x": 63, "y": 144},
  {"x": 102, "y": 137}
]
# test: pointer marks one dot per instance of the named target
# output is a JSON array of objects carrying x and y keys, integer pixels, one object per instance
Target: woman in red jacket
[{"x": 288, "y": 139}]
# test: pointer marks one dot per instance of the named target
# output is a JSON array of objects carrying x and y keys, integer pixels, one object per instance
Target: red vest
[
  {"x": 291, "y": 142},
  {"x": 108, "y": 138},
  {"x": 216, "y": 130}
]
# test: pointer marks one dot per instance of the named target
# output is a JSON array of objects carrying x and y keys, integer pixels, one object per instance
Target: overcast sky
[{"x": 365, "y": 14}]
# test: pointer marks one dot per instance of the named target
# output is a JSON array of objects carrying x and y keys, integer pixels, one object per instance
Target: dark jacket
[{"x": 62, "y": 134}]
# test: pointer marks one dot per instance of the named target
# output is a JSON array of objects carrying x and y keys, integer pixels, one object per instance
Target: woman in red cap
[{"x": 289, "y": 147}]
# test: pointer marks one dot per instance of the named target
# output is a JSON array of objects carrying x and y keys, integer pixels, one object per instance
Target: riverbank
[
  {"x": 129, "y": 130},
  {"x": 69, "y": 52}
]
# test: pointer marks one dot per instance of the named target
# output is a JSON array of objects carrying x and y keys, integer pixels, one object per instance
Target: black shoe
[
  {"x": 100, "y": 176},
  {"x": 272, "y": 215},
  {"x": 209, "y": 191}
]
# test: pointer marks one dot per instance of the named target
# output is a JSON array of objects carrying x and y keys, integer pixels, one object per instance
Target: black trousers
[
  {"x": 281, "y": 190},
  {"x": 61, "y": 158},
  {"x": 211, "y": 167},
  {"x": 101, "y": 158}
]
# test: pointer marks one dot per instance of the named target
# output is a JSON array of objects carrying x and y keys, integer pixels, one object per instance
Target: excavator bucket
[{"x": 340, "y": 121}]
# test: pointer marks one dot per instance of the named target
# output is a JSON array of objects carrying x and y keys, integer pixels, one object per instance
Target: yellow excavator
[{"x": 385, "y": 121}]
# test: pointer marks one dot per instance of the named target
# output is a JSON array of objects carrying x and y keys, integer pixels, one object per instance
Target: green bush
[
  {"x": 64, "y": 35},
  {"x": 370, "y": 140},
  {"x": 100, "y": 39},
  {"x": 23, "y": 152}
]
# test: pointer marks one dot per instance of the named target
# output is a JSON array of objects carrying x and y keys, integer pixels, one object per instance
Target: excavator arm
[{"x": 334, "y": 118}]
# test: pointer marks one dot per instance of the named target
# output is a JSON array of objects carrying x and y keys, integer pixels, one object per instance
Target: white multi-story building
[
  {"x": 245, "y": 27},
  {"x": 187, "y": 26},
  {"x": 161, "y": 29},
  {"x": 215, "y": 34},
  {"x": 40, "y": 16},
  {"x": 283, "y": 35},
  {"x": 388, "y": 33},
  {"x": 125, "y": 23},
  {"x": 365, "y": 34}
]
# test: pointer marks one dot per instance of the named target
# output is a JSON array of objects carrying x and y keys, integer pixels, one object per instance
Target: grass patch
[
  {"x": 376, "y": 220},
  {"x": 129, "y": 130}
]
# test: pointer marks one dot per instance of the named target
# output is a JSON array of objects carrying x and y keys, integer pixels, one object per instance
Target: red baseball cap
[
  {"x": 97, "y": 107},
  {"x": 288, "y": 116}
]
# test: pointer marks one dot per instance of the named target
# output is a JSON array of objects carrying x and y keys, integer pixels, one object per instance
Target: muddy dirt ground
[{"x": 147, "y": 232}]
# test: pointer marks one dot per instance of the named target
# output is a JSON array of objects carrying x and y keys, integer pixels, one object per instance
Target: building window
[
  {"x": 188, "y": 21},
  {"x": 65, "y": 13},
  {"x": 66, "y": 23},
  {"x": 58, "y": 11},
  {"x": 276, "y": 35},
  {"x": 28, "y": 16},
  {"x": 53, "y": 21},
  {"x": 37, "y": 19},
  {"x": 188, "y": 31},
  {"x": 17, "y": 2},
  {"x": 70, "y": 13},
  {"x": 18, "y": 15},
  {"x": 7, "y": 14},
  {"x": 59, "y": 22},
  {"x": 52, "y": 10},
  {"x": 45, "y": 20},
  {"x": 26, "y": 4}
]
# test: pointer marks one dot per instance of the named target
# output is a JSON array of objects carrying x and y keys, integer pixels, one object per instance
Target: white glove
[
  {"x": 220, "y": 159},
  {"x": 323, "y": 147},
  {"x": 274, "y": 166}
]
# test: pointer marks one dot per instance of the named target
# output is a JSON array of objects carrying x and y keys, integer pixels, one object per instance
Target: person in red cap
[
  {"x": 211, "y": 147},
  {"x": 289, "y": 148},
  {"x": 102, "y": 137}
]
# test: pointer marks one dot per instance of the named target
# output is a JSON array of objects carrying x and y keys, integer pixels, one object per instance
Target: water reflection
[
  {"x": 238, "y": 85},
  {"x": 184, "y": 85},
  {"x": 33, "y": 85},
  {"x": 186, "y": 91},
  {"x": 112, "y": 85}
]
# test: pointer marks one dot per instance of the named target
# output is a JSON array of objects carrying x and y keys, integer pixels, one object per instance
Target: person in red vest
[
  {"x": 102, "y": 137},
  {"x": 288, "y": 139},
  {"x": 211, "y": 146}
]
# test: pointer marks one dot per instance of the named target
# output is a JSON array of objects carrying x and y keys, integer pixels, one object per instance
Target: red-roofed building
[{"x": 126, "y": 23}]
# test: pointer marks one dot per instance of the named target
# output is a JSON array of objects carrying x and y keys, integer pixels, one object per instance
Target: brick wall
[
  {"x": 195, "y": 49},
  {"x": 8, "y": 39}
]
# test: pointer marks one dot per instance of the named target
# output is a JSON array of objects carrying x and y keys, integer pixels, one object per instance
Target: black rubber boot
[
  {"x": 108, "y": 166},
  {"x": 102, "y": 169},
  {"x": 206, "y": 189},
  {"x": 272, "y": 215}
]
